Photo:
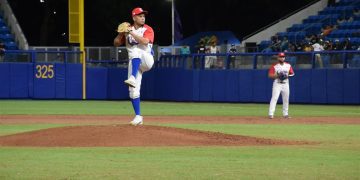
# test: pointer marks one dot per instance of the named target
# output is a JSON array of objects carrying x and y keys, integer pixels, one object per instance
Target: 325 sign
[{"x": 44, "y": 71}]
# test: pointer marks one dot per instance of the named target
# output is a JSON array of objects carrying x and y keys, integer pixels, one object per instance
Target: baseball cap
[
  {"x": 138, "y": 11},
  {"x": 281, "y": 54}
]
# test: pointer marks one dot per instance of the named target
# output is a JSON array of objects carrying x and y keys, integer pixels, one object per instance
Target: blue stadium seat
[
  {"x": 4, "y": 30},
  {"x": 11, "y": 45}
]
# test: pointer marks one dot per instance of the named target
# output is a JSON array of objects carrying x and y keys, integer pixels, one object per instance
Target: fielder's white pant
[
  {"x": 147, "y": 61},
  {"x": 285, "y": 92}
]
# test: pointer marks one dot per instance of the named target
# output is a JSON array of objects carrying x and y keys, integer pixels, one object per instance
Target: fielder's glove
[
  {"x": 124, "y": 27},
  {"x": 282, "y": 75}
]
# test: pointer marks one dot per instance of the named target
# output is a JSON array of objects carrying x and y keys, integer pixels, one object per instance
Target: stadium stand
[
  {"x": 6, "y": 37},
  {"x": 332, "y": 24}
]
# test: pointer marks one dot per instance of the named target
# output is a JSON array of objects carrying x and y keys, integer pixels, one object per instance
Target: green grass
[
  {"x": 167, "y": 108},
  {"x": 337, "y": 156},
  {"x": 340, "y": 136},
  {"x": 7, "y": 129},
  {"x": 178, "y": 163}
]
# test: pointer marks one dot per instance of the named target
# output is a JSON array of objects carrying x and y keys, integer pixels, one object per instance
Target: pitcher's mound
[{"x": 126, "y": 135}]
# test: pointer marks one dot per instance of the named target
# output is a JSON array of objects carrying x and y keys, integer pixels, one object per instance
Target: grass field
[{"x": 337, "y": 156}]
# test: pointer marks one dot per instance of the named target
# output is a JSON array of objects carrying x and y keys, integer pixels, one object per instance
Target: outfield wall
[{"x": 64, "y": 81}]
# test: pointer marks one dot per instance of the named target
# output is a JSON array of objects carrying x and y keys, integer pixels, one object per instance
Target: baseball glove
[
  {"x": 282, "y": 75},
  {"x": 123, "y": 27}
]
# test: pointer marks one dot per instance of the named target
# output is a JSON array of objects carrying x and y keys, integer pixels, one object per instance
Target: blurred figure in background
[
  {"x": 2, "y": 51},
  {"x": 185, "y": 50},
  {"x": 317, "y": 47},
  {"x": 232, "y": 57}
]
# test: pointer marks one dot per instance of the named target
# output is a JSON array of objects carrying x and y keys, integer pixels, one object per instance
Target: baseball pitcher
[
  {"x": 280, "y": 72},
  {"x": 138, "y": 38}
]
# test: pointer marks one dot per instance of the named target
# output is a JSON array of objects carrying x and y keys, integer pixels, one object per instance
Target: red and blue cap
[
  {"x": 137, "y": 11},
  {"x": 281, "y": 54}
]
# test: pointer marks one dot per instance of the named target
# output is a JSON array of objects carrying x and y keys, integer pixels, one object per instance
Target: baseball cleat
[
  {"x": 271, "y": 117},
  {"x": 130, "y": 82},
  {"x": 287, "y": 117},
  {"x": 138, "y": 120}
]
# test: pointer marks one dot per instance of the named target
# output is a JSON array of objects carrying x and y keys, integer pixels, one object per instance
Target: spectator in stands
[
  {"x": 350, "y": 19},
  {"x": 184, "y": 50},
  {"x": 347, "y": 44},
  {"x": 356, "y": 11},
  {"x": 299, "y": 46},
  {"x": 232, "y": 57},
  {"x": 275, "y": 42},
  {"x": 208, "y": 63},
  {"x": 2, "y": 51},
  {"x": 213, "y": 59},
  {"x": 317, "y": 47},
  {"x": 308, "y": 38},
  {"x": 292, "y": 47},
  {"x": 314, "y": 39},
  {"x": 201, "y": 48},
  {"x": 327, "y": 30},
  {"x": 328, "y": 46},
  {"x": 308, "y": 47},
  {"x": 340, "y": 20},
  {"x": 284, "y": 45},
  {"x": 268, "y": 49},
  {"x": 337, "y": 46}
]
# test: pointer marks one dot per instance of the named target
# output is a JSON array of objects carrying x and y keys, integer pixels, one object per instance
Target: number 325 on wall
[{"x": 44, "y": 71}]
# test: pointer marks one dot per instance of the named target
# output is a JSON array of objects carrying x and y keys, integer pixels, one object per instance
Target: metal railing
[
  {"x": 41, "y": 56},
  {"x": 225, "y": 61},
  {"x": 298, "y": 60}
]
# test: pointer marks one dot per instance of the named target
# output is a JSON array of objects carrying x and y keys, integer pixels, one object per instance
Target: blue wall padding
[
  {"x": 187, "y": 87},
  {"x": 219, "y": 85},
  {"x": 245, "y": 85},
  {"x": 19, "y": 86},
  {"x": 96, "y": 83},
  {"x": 352, "y": 86},
  {"x": 60, "y": 81},
  {"x": 318, "y": 86},
  {"x": 31, "y": 79},
  {"x": 205, "y": 85},
  {"x": 262, "y": 88},
  {"x": 147, "y": 88},
  {"x": 165, "y": 84},
  {"x": 195, "y": 85},
  {"x": 232, "y": 86},
  {"x": 44, "y": 88},
  {"x": 116, "y": 87},
  {"x": 5, "y": 80},
  {"x": 73, "y": 81},
  {"x": 300, "y": 86},
  {"x": 334, "y": 86}
]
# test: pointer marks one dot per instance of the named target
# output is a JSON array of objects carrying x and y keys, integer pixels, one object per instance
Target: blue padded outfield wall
[{"x": 64, "y": 81}]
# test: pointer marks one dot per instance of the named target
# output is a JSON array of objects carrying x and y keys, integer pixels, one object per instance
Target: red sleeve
[
  {"x": 149, "y": 34},
  {"x": 291, "y": 72},
  {"x": 272, "y": 69}
]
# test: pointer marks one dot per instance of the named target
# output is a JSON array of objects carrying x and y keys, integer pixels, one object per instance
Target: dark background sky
[{"x": 44, "y": 28}]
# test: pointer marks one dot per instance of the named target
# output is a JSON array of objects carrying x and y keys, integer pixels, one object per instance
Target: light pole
[{"x": 172, "y": 21}]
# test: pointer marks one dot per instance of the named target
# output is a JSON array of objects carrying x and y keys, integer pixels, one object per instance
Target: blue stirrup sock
[
  {"x": 135, "y": 66},
  {"x": 136, "y": 105}
]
